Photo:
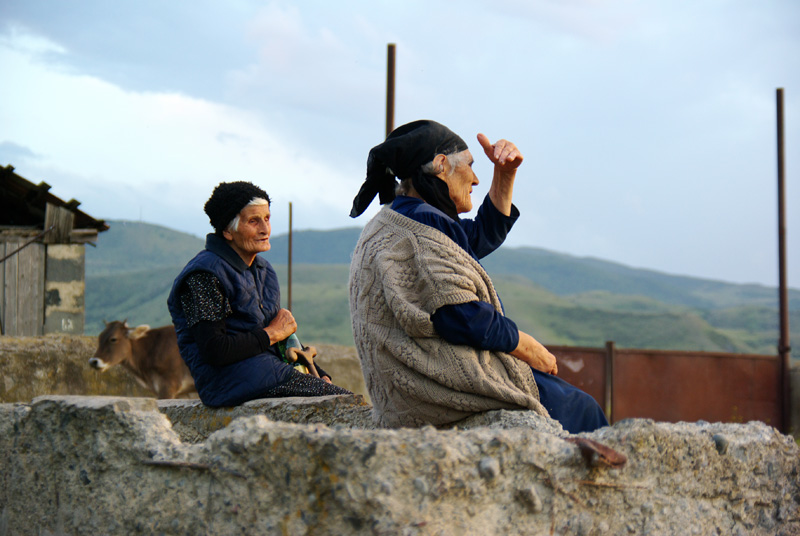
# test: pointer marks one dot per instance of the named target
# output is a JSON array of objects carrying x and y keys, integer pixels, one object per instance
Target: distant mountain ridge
[
  {"x": 565, "y": 299},
  {"x": 566, "y": 275}
]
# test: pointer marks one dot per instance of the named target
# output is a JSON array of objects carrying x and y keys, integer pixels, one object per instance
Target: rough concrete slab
[
  {"x": 194, "y": 422},
  {"x": 92, "y": 465}
]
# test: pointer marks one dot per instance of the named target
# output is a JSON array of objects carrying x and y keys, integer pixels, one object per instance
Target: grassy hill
[
  {"x": 568, "y": 275},
  {"x": 630, "y": 322},
  {"x": 315, "y": 247},
  {"x": 135, "y": 247},
  {"x": 559, "y": 298}
]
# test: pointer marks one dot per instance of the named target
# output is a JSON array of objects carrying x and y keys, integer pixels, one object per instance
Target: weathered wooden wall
[
  {"x": 22, "y": 290},
  {"x": 43, "y": 286}
]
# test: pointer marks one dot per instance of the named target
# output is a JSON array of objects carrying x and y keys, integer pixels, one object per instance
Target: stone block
[
  {"x": 115, "y": 465},
  {"x": 194, "y": 422}
]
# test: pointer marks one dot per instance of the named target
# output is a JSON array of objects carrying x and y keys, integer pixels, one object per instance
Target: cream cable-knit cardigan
[{"x": 402, "y": 271}]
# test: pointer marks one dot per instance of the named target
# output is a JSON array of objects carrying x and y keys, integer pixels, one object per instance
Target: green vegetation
[
  {"x": 139, "y": 247},
  {"x": 319, "y": 300},
  {"x": 559, "y": 298},
  {"x": 140, "y": 297}
]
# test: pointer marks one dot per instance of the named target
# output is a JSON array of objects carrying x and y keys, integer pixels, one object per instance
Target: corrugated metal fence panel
[
  {"x": 585, "y": 368},
  {"x": 691, "y": 386},
  {"x": 676, "y": 386}
]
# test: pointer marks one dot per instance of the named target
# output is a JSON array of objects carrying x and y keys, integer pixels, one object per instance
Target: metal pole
[
  {"x": 289, "y": 297},
  {"x": 390, "y": 89},
  {"x": 608, "y": 403},
  {"x": 784, "y": 347}
]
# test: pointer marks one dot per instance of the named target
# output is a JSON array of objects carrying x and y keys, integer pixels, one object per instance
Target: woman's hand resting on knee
[{"x": 533, "y": 353}]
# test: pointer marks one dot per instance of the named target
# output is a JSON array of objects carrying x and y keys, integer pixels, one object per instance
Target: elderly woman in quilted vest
[
  {"x": 225, "y": 305},
  {"x": 430, "y": 331}
]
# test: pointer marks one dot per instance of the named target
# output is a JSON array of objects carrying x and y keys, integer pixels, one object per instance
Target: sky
[{"x": 648, "y": 128}]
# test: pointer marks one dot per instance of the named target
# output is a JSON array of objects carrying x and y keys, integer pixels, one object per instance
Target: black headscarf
[
  {"x": 402, "y": 155},
  {"x": 228, "y": 199}
]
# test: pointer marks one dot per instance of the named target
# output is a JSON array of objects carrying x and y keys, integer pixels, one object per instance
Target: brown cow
[{"x": 151, "y": 355}]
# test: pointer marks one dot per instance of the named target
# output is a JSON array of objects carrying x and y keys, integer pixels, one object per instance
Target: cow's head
[{"x": 114, "y": 344}]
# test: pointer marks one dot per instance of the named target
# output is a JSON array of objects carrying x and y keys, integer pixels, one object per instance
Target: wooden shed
[{"x": 42, "y": 258}]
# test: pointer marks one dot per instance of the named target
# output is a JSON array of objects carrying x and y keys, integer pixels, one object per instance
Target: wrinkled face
[
  {"x": 252, "y": 236},
  {"x": 461, "y": 181}
]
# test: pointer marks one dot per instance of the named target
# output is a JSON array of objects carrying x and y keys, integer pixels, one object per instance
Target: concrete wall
[
  {"x": 132, "y": 465},
  {"x": 65, "y": 289},
  {"x": 100, "y": 465},
  {"x": 58, "y": 364}
]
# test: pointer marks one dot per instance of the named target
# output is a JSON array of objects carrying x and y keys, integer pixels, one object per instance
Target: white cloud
[
  {"x": 28, "y": 44},
  {"x": 165, "y": 149},
  {"x": 304, "y": 64},
  {"x": 648, "y": 128}
]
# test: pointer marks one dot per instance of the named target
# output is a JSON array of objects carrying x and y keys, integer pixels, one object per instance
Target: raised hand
[{"x": 503, "y": 153}]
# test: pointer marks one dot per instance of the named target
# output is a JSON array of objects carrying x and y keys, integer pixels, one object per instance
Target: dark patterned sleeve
[
  {"x": 205, "y": 307},
  {"x": 202, "y": 299}
]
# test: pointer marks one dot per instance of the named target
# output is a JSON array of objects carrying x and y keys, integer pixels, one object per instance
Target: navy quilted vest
[{"x": 254, "y": 296}]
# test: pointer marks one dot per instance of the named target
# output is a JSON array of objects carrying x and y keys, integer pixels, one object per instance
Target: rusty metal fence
[{"x": 677, "y": 386}]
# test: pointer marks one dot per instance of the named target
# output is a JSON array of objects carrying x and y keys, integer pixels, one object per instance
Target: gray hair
[
  {"x": 233, "y": 226},
  {"x": 453, "y": 159}
]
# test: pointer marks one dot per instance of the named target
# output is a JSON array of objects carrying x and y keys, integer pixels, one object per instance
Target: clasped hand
[{"x": 281, "y": 326}]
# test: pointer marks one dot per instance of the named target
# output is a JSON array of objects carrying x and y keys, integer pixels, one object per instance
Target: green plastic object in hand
[{"x": 289, "y": 342}]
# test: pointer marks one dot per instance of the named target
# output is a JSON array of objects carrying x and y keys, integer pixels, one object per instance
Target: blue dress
[{"x": 479, "y": 325}]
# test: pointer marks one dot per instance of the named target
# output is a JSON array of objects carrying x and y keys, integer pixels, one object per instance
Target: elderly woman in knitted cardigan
[
  {"x": 434, "y": 343},
  {"x": 225, "y": 305}
]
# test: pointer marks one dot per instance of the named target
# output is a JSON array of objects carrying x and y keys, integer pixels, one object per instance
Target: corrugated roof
[{"x": 23, "y": 203}]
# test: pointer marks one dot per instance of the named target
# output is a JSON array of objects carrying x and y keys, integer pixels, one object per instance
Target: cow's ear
[{"x": 138, "y": 332}]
